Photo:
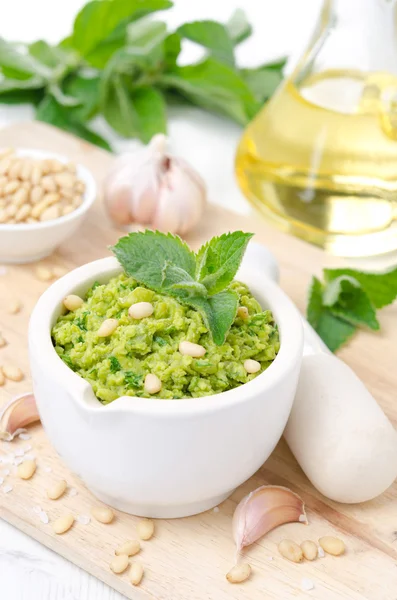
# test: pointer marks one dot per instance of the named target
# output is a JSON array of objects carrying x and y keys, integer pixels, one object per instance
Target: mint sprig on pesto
[
  {"x": 164, "y": 263},
  {"x": 346, "y": 300}
]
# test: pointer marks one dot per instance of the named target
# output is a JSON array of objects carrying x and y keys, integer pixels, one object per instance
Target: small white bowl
[
  {"x": 163, "y": 458},
  {"x": 29, "y": 242}
]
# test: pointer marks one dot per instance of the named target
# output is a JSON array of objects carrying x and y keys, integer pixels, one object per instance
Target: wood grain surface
[{"x": 188, "y": 558}]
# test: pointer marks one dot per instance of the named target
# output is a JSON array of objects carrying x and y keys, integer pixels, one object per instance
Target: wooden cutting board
[{"x": 188, "y": 558}]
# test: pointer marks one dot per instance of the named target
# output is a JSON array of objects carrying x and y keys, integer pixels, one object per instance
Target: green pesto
[{"x": 116, "y": 365}]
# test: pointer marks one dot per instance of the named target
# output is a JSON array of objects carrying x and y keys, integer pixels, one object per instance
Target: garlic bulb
[{"x": 154, "y": 188}]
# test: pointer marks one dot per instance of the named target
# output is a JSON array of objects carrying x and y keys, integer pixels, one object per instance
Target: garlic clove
[
  {"x": 264, "y": 509},
  {"x": 17, "y": 414}
]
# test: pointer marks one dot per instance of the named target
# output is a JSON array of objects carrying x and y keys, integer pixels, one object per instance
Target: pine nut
[
  {"x": 55, "y": 166},
  {"x": 20, "y": 197},
  {"x": 38, "y": 209},
  {"x": 252, "y": 366},
  {"x": 103, "y": 514},
  {"x": 309, "y": 549},
  {"x": 77, "y": 201},
  {"x": 23, "y": 213},
  {"x": 136, "y": 573},
  {"x": 63, "y": 524},
  {"x": 239, "y": 573},
  {"x": 65, "y": 180},
  {"x": 242, "y": 312},
  {"x": 11, "y": 187},
  {"x": 73, "y": 302},
  {"x": 145, "y": 529},
  {"x": 50, "y": 213},
  {"x": 80, "y": 187},
  {"x": 27, "y": 469},
  {"x": 44, "y": 273},
  {"x": 152, "y": 384},
  {"x": 2, "y": 377},
  {"x": 71, "y": 167},
  {"x": 140, "y": 310},
  {"x": 48, "y": 184},
  {"x": 119, "y": 564},
  {"x": 5, "y": 164},
  {"x": 190, "y": 349},
  {"x": 332, "y": 545},
  {"x": 128, "y": 548},
  {"x": 36, "y": 194},
  {"x": 11, "y": 210},
  {"x": 37, "y": 174},
  {"x": 107, "y": 327},
  {"x": 26, "y": 170},
  {"x": 14, "y": 307},
  {"x": 15, "y": 169},
  {"x": 3, "y": 216},
  {"x": 57, "y": 489},
  {"x": 291, "y": 551},
  {"x": 67, "y": 210},
  {"x": 51, "y": 198},
  {"x": 13, "y": 373},
  {"x": 59, "y": 271}
]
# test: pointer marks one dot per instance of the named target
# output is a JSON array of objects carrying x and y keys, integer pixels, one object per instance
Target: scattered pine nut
[
  {"x": 252, "y": 366},
  {"x": 63, "y": 524},
  {"x": 107, "y": 327},
  {"x": 57, "y": 489},
  {"x": 14, "y": 307},
  {"x": 129, "y": 548},
  {"x": 190, "y": 349},
  {"x": 44, "y": 273},
  {"x": 73, "y": 302},
  {"x": 145, "y": 529},
  {"x": 242, "y": 312},
  {"x": 119, "y": 564},
  {"x": 309, "y": 549},
  {"x": 136, "y": 573},
  {"x": 152, "y": 384},
  {"x": 103, "y": 514},
  {"x": 291, "y": 551},
  {"x": 332, "y": 545},
  {"x": 13, "y": 373},
  {"x": 239, "y": 573},
  {"x": 27, "y": 469},
  {"x": 140, "y": 310}
]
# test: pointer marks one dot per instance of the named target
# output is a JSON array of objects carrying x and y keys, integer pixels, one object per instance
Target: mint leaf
[
  {"x": 49, "y": 111},
  {"x": 15, "y": 64},
  {"x": 262, "y": 81},
  {"x": 172, "y": 48},
  {"x": 51, "y": 56},
  {"x": 333, "y": 330},
  {"x": 177, "y": 282},
  {"x": 238, "y": 27},
  {"x": 348, "y": 300},
  {"x": 86, "y": 90},
  {"x": 145, "y": 33},
  {"x": 219, "y": 259},
  {"x": 381, "y": 288},
  {"x": 117, "y": 106},
  {"x": 150, "y": 107},
  {"x": 98, "y": 19},
  {"x": 145, "y": 256},
  {"x": 212, "y": 35},
  {"x": 218, "y": 312}
]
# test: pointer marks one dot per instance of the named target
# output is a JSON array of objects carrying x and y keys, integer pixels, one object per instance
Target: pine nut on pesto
[{"x": 117, "y": 365}]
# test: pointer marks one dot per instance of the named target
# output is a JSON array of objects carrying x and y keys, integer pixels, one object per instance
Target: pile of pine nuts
[{"x": 33, "y": 190}]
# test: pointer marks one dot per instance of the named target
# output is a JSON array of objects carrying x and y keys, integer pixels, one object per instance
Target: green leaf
[
  {"x": 49, "y": 111},
  {"x": 218, "y": 312},
  {"x": 86, "y": 90},
  {"x": 145, "y": 255},
  {"x": 263, "y": 82},
  {"x": 214, "y": 86},
  {"x": 19, "y": 96},
  {"x": 347, "y": 299},
  {"x": 212, "y": 35},
  {"x": 146, "y": 33},
  {"x": 238, "y": 27},
  {"x": 63, "y": 99},
  {"x": 117, "y": 106},
  {"x": 219, "y": 259},
  {"x": 172, "y": 49},
  {"x": 98, "y": 19},
  {"x": 51, "y": 56},
  {"x": 381, "y": 288},
  {"x": 16, "y": 62},
  {"x": 177, "y": 282},
  {"x": 150, "y": 107},
  {"x": 115, "y": 365},
  {"x": 14, "y": 85},
  {"x": 333, "y": 330}
]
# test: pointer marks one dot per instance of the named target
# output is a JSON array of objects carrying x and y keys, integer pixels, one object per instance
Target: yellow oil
[{"x": 320, "y": 160}]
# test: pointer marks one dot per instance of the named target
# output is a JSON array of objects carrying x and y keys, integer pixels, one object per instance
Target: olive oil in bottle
[{"x": 320, "y": 159}]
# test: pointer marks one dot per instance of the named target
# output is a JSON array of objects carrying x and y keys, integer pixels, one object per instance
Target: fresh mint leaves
[
  {"x": 164, "y": 263},
  {"x": 121, "y": 63},
  {"x": 346, "y": 300}
]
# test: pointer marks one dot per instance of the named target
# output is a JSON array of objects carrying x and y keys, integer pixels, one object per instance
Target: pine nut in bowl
[
  {"x": 147, "y": 451},
  {"x": 44, "y": 198}
]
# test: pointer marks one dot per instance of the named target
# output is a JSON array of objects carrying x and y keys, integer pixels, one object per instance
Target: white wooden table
[{"x": 28, "y": 571}]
